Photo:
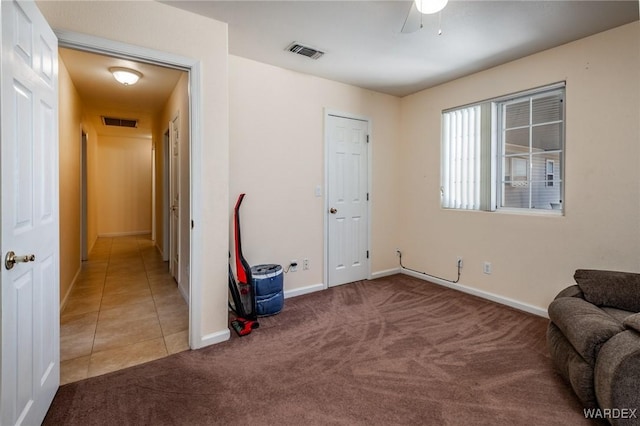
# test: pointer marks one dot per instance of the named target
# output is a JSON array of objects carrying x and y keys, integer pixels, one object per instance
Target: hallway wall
[
  {"x": 71, "y": 125},
  {"x": 123, "y": 185}
]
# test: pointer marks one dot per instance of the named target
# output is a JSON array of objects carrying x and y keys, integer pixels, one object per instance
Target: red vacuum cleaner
[{"x": 242, "y": 291}]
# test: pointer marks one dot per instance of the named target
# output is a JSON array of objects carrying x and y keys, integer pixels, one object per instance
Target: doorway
[
  {"x": 347, "y": 212},
  {"x": 124, "y": 276}
]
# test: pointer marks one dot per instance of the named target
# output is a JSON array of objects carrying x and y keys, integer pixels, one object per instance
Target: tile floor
[{"x": 125, "y": 309}]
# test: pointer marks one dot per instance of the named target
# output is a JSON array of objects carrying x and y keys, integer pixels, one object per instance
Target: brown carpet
[{"x": 392, "y": 351}]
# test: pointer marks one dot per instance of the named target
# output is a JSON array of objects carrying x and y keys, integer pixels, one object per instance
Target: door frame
[
  {"x": 331, "y": 112},
  {"x": 165, "y": 194},
  {"x": 174, "y": 125},
  {"x": 84, "y": 208},
  {"x": 103, "y": 46}
]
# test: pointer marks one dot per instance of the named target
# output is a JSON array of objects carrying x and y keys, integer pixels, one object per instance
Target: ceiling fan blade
[{"x": 413, "y": 21}]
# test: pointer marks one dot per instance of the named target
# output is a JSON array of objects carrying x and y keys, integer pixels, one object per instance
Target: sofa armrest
[
  {"x": 617, "y": 374},
  {"x": 584, "y": 325},
  {"x": 632, "y": 322},
  {"x": 571, "y": 291}
]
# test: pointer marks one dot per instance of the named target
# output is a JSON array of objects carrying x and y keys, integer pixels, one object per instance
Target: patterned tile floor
[{"x": 125, "y": 309}]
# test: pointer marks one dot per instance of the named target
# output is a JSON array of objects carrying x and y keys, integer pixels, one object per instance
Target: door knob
[
  {"x": 333, "y": 210},
  {"x": 11, "y": 259}
]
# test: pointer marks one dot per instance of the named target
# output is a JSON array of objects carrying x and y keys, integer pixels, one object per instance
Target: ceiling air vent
[
  {"x": 119, "y": 122},
  {"x": 307, "y": 51}
]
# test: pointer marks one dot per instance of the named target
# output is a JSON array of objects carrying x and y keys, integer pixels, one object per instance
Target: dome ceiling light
[
  {"x": 430, "y": 6},
  {"x": 125, "y": 76}
]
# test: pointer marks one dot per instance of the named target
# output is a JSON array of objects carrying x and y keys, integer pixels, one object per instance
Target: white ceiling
[
  {"x": 363, "y": 42},
  {"x": 365, "y": 47},
  {"x": 101, "y": 94}
]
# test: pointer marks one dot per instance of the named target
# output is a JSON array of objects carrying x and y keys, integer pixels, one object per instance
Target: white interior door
[
  {"x": 30, "y": 354},
  {"x": 174, "y": 192},
  {"x": 347, "y": 185}
]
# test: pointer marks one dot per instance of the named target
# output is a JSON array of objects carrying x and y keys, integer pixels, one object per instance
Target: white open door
[
  {"x": 347, "y": 198},
  {"x": 30, "y": 355}
]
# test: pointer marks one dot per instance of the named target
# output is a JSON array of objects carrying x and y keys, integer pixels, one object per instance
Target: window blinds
[{"x": 461, "y": 153}]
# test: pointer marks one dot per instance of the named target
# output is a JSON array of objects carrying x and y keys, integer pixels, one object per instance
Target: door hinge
[
  {"x": 191, "y": 224},
  {"x": 367, "y": 138},
  {"x": 367, "y": 196},
  {"x": 367, "y": 254}
]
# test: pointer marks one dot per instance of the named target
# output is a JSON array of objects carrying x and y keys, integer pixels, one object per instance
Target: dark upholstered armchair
[{"x": 594, "y": 341}]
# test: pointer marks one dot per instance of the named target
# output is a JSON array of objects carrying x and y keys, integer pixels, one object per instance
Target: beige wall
[
  {"x": 533, "y": 257},
  {"x": 277, "y": 159},
  {"x": 70, "y": 125},
  {"x": 177, "y": 106},
  {"x": 123, "y": 187},
  {"x": 166, "y": 29}
]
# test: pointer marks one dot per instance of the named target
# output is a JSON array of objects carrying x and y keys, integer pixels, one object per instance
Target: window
[{"x": 505, "y": 153}]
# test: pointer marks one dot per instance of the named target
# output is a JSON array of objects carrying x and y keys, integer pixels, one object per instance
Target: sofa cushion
[
  {"x": 610, "y": 288},
  {"x": 619, "y": 315},
  {"x": 584, "y": 325},
  {"x": 632, "y": 322}
]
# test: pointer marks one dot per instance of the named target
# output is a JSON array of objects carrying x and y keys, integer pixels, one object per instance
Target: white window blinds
[{"x": 461, "y": 154}]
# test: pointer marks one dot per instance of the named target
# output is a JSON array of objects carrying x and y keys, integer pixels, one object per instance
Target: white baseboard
[
  {"x": 211, "y": 339},
  {"x": 92, "y": 245},
  {"x": 483, "y": 294},
  {"x": 73, "y": 283},
  {"x": 123, "y": 234},
  {"x": 184, "y": 293},
  {"x": 304, "y": 290},
  {"x": 385, "y": 273}
]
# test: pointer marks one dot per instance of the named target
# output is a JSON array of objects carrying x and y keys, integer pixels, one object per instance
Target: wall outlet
[
  {"x": 459, "y": 262},
  {"x": 305, "y": 264},
  {"x": 486, "y": 268},
  {"x": 293, "y": 265}
]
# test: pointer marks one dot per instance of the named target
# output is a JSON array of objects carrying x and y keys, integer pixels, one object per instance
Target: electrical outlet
[
  {"x": 459, "y": 262},
  {"x": 305, "y": 264},
  {"x": 293, "y": 265},
  {"x": 486, "y": 268}
]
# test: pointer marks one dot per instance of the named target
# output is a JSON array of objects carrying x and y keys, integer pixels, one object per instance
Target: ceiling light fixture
[
  {"x": 430, "y": 6},
  {"x": 125, "y": 76}
]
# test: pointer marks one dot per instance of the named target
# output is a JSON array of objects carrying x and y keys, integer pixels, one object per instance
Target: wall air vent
[
  {"x": 119, "y": 122},
  {"x": 307, "y": 51}
]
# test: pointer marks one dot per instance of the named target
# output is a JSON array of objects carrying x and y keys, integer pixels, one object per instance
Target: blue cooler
[{"x": 268, "y": 284}]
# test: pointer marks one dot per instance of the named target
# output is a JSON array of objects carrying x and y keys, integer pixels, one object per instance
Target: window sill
[{"x": 531, "y": 212}]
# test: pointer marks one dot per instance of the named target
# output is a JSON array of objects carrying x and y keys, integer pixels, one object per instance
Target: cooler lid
[{"x": 266, "y": 270}]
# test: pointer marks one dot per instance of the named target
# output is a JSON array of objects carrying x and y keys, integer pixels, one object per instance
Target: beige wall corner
[
  {"x": 277, "y": 159},
  {"x": 533, "y": 257}
]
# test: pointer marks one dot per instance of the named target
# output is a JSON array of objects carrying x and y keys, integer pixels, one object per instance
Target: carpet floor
[{"x": 392, "y": 351}]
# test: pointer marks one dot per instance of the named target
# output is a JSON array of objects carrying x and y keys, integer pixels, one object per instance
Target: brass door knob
[{"x": 333, "y": 210}]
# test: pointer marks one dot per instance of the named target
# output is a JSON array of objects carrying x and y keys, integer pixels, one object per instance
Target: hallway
[{"x": 125, "y": 309}]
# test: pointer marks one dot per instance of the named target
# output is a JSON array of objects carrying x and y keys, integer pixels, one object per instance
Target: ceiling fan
[{"x": 419, "y": 8}]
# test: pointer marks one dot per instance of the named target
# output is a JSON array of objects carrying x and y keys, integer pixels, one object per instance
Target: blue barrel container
[{"x": 268, "y": 285}]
